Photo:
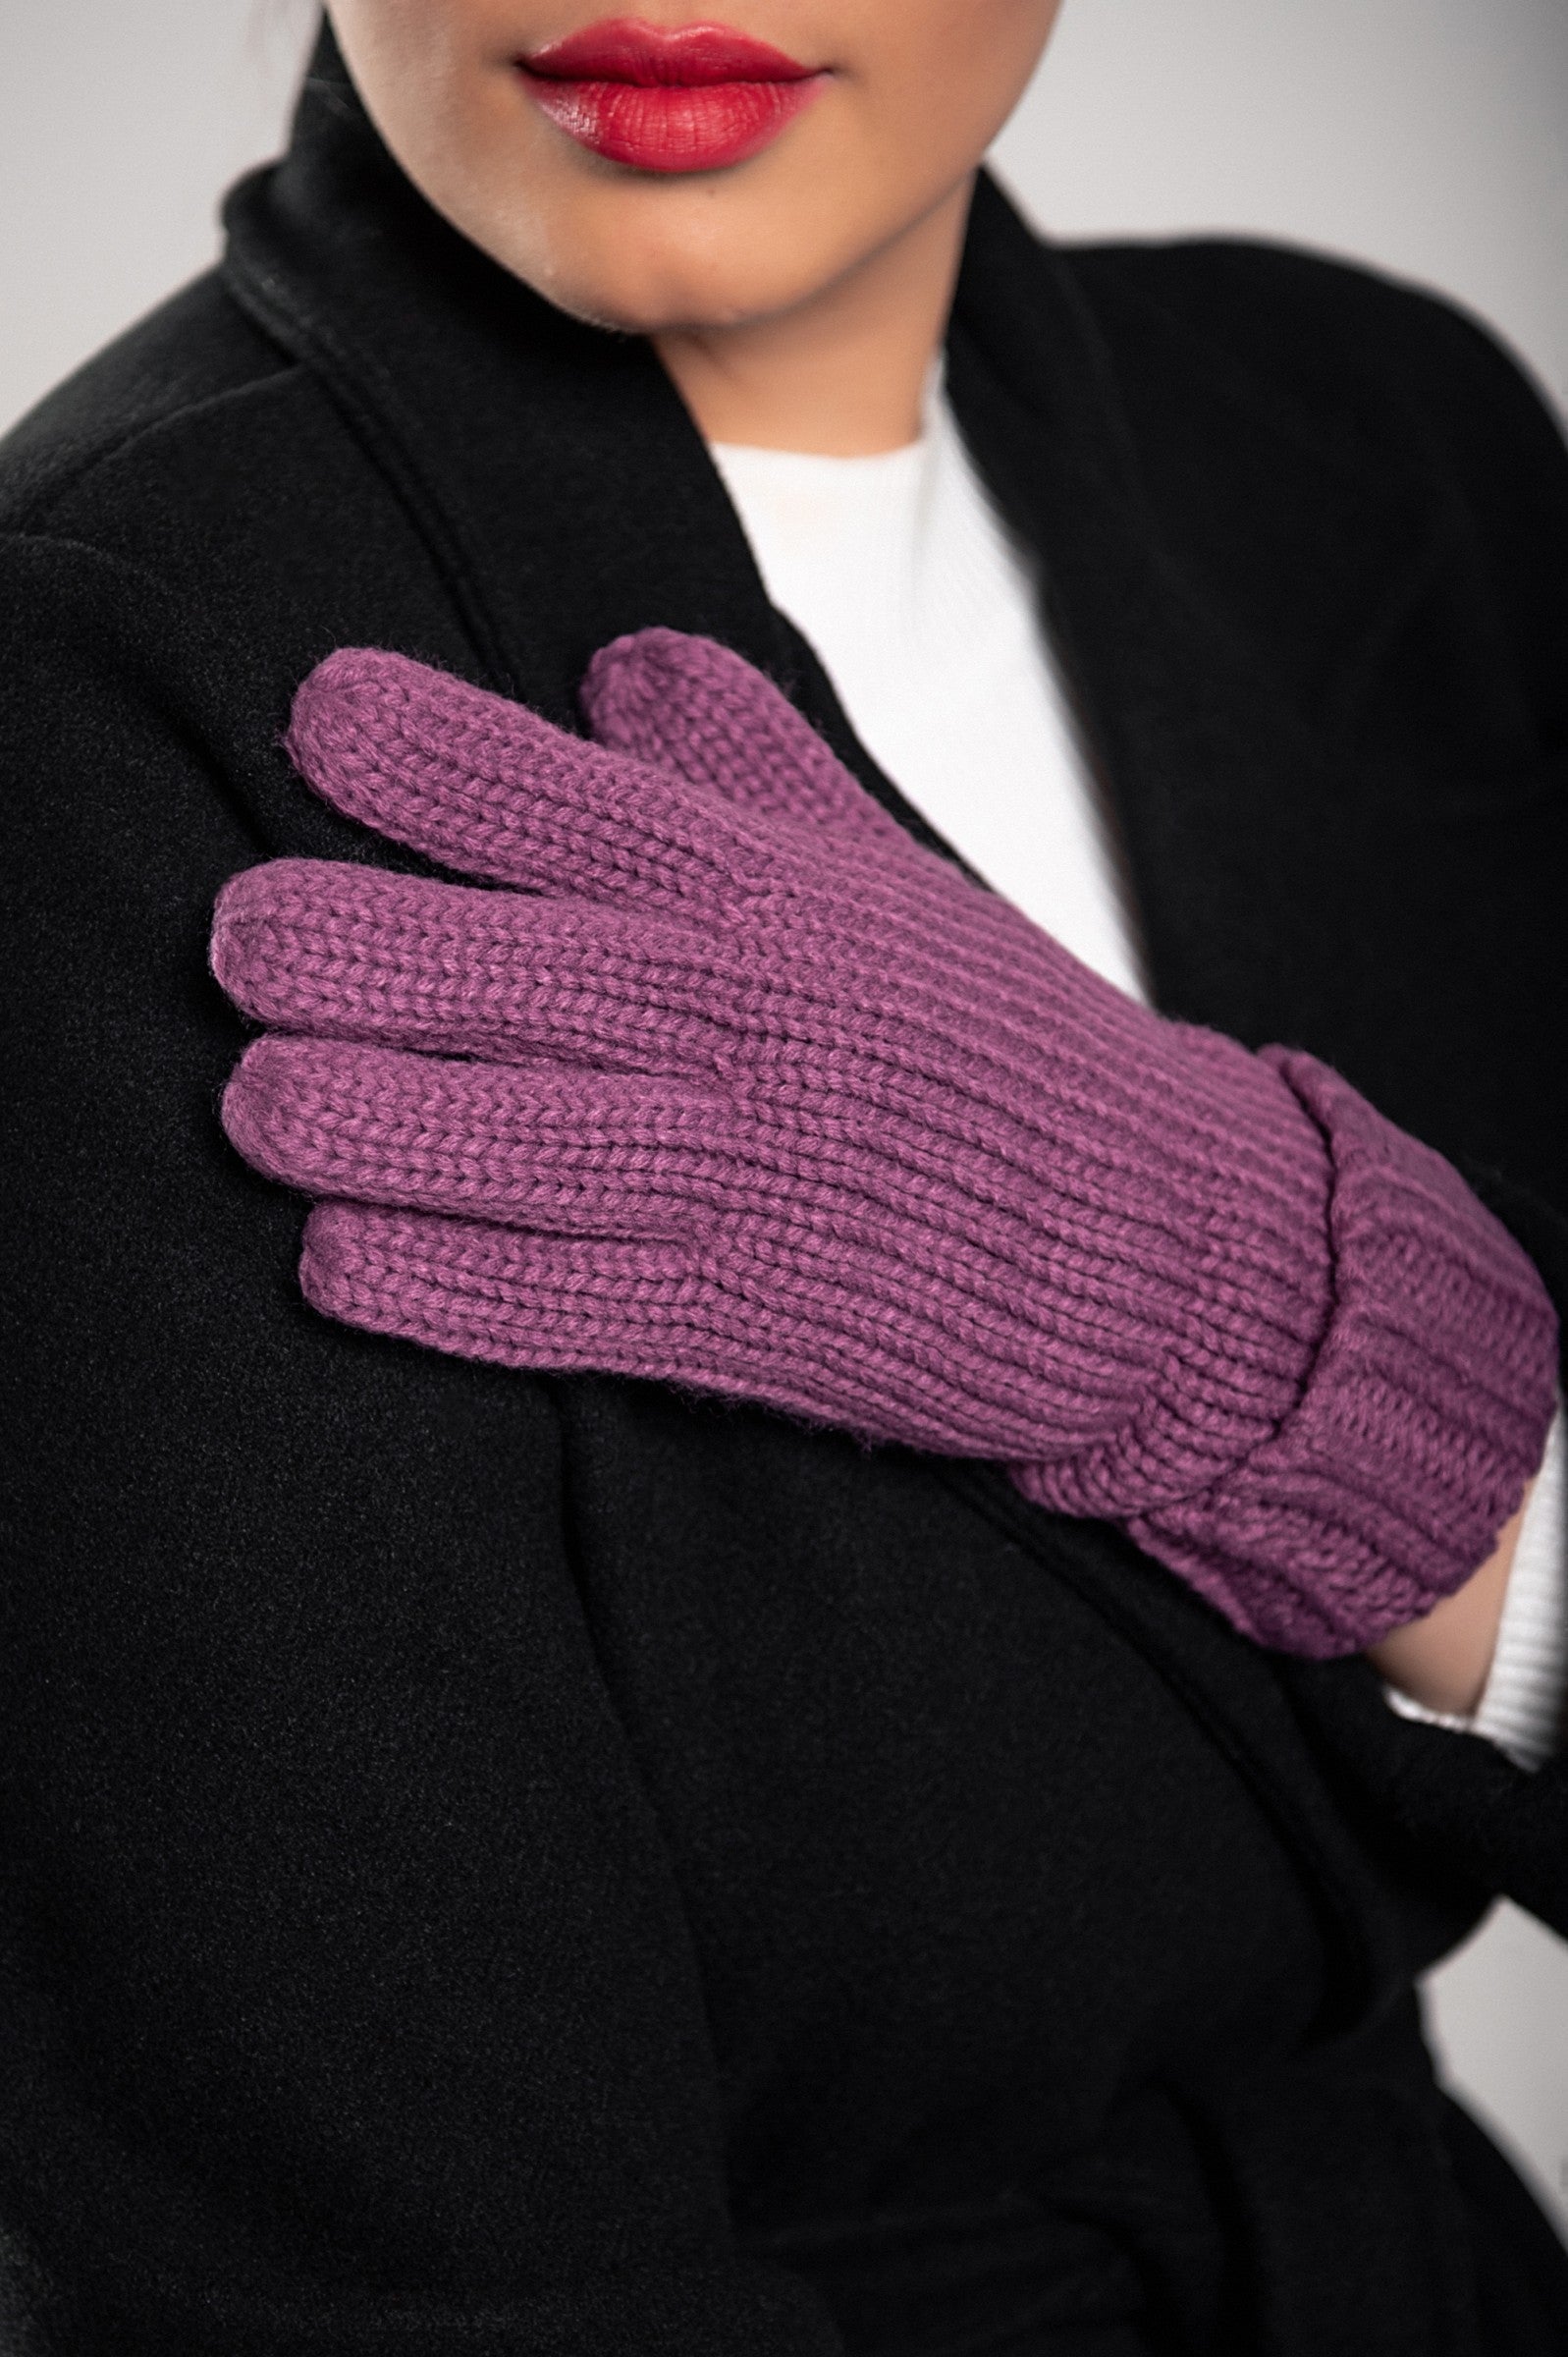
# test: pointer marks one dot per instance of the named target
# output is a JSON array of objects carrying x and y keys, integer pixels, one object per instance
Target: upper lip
[{"x": 625, "y": 49}]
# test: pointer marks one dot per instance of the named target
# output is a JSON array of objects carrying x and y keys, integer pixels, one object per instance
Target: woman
[{"x": 521, "y": 1861}]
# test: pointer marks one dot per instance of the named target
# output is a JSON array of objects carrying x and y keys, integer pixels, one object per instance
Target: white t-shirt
[{"x": 925, "y": 612}]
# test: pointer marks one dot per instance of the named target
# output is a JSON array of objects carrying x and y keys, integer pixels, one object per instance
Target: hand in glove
[{"x": 716, "y": 1077}]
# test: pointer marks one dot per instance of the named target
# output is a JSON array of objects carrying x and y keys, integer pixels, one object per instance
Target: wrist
[{"x": 1443, "y": 1660}]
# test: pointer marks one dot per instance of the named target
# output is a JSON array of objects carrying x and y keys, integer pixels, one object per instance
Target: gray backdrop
[{"x": 1427, "y": 135}]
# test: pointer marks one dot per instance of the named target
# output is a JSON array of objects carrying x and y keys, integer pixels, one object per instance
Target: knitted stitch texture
[{"x": 734, "y": 1085}]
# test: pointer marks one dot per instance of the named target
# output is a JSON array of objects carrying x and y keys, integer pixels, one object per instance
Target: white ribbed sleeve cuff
[{"x": 1523, "y": 1707}]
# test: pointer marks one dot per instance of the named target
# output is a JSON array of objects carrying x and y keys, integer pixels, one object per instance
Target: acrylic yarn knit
[{"x": 720, "y": 1079}]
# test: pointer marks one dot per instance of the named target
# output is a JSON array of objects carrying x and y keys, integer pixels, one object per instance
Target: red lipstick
[{"x": 688, "y": 99}]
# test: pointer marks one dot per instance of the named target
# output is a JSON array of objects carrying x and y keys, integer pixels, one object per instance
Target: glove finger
[
  {"x": 358, "y": 952},
  {"x": 814, "y": 1245},
  {"x": 548, "y": 1303},
  {"x": 543, "y": 1146},
  {"x": 652, "y": 1308},
  {"x": 487, "y": 788},
  {"x": 700, "y": 711},
  {"x": 688, "y": 706}
]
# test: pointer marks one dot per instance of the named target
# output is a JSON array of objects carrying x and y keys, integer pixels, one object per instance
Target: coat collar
[
  {"x": 567, "y": 496},
  {"x": 551, "y": 467}
]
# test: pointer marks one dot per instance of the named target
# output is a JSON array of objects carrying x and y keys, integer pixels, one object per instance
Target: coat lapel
[{"x": 1220, "y": 773}]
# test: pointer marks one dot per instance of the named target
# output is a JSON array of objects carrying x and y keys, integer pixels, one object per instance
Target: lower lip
[{"x": 679, "y": 127}]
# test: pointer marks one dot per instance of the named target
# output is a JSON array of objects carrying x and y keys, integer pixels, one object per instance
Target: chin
[
  {"x": 638, "y": 308},
  {"x": 650, "y": 286}
]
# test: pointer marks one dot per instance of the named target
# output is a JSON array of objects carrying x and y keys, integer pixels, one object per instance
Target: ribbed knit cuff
[{"x": 1425, "y": 1413}]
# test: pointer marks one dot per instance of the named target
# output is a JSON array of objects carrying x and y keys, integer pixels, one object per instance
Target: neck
[{"x": 841, "y": 373}]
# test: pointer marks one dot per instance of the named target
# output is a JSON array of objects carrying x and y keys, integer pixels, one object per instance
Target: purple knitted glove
[{"x": 734, "y": 1085}]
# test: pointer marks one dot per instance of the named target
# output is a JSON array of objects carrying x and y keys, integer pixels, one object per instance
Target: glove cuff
[{"x": 1424, "y": 1416}]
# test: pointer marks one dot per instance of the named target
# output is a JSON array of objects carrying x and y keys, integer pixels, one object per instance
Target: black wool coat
[{"x": 559, "y": 1869}]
